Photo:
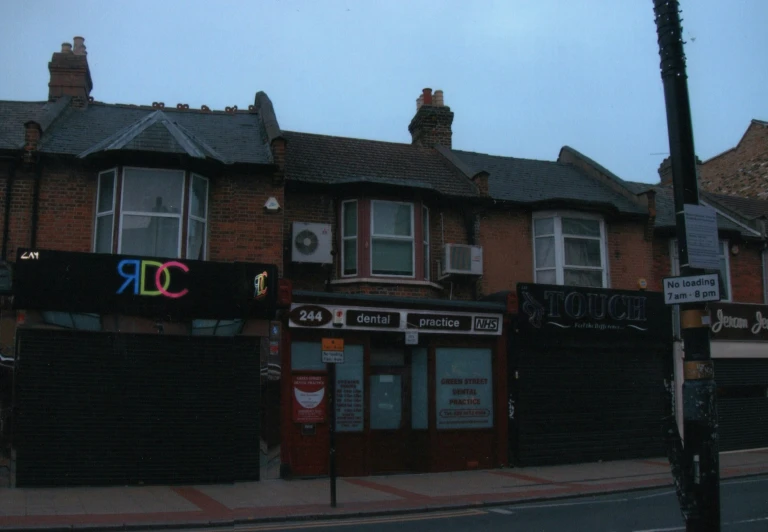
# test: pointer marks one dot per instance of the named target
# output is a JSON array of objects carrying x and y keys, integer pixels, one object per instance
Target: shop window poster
[{"x": 464, "y": 388}]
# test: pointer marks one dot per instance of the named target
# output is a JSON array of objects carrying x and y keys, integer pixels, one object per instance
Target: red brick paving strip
[
  {"x": 653, "y": 462},
  {"x": 534, "y": 480},
  {"x": 386, "y": 489},
  {"x": 201, "y": 500}
]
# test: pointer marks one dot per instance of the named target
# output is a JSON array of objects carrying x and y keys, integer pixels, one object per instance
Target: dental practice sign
[{"x": 158, "y": 288}]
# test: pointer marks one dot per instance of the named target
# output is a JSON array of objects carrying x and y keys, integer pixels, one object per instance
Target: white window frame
[
  {"x": 192, "y": 217},
  {"x": 356, "y": 238},
  {"x": 180, "y": 215},
  {"x": 105, "y": 213},
  {"x": 411, "y": 239},
  {"x": 560, "y": 265},
  {"x": 674, "y": 261},
  {"x": 425, "y": 239}
]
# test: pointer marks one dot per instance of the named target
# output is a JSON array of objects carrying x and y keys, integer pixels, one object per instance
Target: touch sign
[{"x": 692, "y": 289}]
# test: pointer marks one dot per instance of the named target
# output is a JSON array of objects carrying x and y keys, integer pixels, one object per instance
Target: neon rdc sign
[{"x": 134, "y": 272}]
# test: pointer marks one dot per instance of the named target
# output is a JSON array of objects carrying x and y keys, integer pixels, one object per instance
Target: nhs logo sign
[{"x": 487, "y": 323}]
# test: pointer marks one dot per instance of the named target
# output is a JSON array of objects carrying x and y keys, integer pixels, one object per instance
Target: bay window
[
  {"x": 349, "y": 238},
  {"x": 147, "y": 207},
  {"x": 569, "y": 250},
  {"x": 383, "y": 238},
  {"x": 392, "y": 242}
]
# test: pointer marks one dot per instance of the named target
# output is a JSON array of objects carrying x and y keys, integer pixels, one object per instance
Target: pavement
[{"x": 143, "y": 507}]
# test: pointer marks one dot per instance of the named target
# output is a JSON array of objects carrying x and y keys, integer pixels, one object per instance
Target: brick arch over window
[{"x": 383, "y": 238}]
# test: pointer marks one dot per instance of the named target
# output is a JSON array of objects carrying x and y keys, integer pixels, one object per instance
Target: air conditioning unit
[
  {"x": 311, "y": 243},
  {"x": 460, "y": 259}
]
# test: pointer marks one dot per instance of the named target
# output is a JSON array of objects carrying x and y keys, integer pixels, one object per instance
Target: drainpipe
[{"x": 7, "y": 213}]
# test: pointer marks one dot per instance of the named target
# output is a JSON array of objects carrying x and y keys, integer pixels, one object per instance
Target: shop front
[
  {"x": 739, "y": 347},
  {"x": 139, "y": 370},
  {"x": 589, "y": 375},
  {"x": 421, "y": 388}
]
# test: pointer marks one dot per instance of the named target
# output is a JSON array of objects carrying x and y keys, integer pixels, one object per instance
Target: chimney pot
[
  {"x": 66, "y": 48},
  {"x": 438, "y": 100},
  {"x": 79, "y": 46},
  {"x": 427, "y": 94}
]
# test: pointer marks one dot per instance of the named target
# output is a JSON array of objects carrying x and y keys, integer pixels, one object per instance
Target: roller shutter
[
  {"x": 742, "y": 403},
  {"x": 105, "y": 409},
  {"x": 581, "y": 404}
]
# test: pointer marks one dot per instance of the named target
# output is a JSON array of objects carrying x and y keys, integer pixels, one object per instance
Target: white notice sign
[
  {"x": 701, "y": 234},
  {"x": 692, "y": 289},
  {"x": 411, "y": 337},
  {"x": 333, "y": 357}
]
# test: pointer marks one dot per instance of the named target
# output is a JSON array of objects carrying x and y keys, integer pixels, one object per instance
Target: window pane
[
  {"x": 350, "y": 391},
  {"x": 577, "y": 226},
  {"x": 381, "y": 356},
  {"x": 392, "y": 257},
  {"x": 307, "y": 356},
  {"x": 198, "y": 196},
  {"x": 350, "y": 256},
  {"x": 582, "y": 252},
  {"x": 426, "y": 261},
  {"x": 391, "y": 219},
  {"x": 546, "y": 277},
  {"x": 150, "y": 235},
  {"x": 104, "y": 234},
  {"x": 350, "y": 219},
  {"x": 106, "y": 191},
  {"x": 216, "y": 327},
  {"x": 386, "y": 402},
  {"x": 545, "y": 252},
  {"x": 544, "y": 226},
  {"x": 196, "y": 240},
  {"x": 152, "y": 191},
  {"x": 419, "y": 407},
  {"x": 464, "y": 388},
  {"x": 584, "y": 278}
]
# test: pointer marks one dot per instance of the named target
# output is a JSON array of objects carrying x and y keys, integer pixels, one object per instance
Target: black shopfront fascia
[
  {"x": 157, "y": 288},
  {"x": 554, "y": 314}
]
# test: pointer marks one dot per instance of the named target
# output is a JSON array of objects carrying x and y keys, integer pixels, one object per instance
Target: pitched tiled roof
[
  {"x": 13, "y": 116},
  {"x": 665, "y": 214},
  {"x": 746, "y": 207},
  {"x": 312, "y": 158},
  {"x": 530, "y": 181},
  {"x": 230, "y": 137}
]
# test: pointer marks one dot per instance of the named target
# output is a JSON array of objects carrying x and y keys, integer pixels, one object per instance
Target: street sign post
[
  {"x": 691, "y": 289},
  {"x": 332, "y": 354}
]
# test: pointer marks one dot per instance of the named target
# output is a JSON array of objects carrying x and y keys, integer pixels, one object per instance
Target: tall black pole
[
  {"x": 700, "y": 467},
  {"x": 332, "y": 429}
]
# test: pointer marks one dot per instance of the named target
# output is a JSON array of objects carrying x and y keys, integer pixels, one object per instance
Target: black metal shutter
[
  {"x": 101, "y": 408},
  {"x": 742, "y": 403},
  {"x": 581, "y": 404}
]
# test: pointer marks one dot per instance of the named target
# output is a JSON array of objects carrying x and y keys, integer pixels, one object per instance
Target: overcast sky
[{"x": 523, "y": 77}]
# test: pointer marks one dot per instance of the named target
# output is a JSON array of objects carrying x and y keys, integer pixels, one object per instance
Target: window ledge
[{"x": 379, "y": 280}]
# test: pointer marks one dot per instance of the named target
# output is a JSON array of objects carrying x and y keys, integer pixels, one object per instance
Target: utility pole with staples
[{"x": 699, "y": 468}]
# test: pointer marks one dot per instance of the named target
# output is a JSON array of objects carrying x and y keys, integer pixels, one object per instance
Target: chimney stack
[
  {"x": 70, "y": 75},
  {"x": 432, "y": 124},
  {"x": 665, "y": 171}
]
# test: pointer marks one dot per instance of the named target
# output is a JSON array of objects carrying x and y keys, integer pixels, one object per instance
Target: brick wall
[
  {"x": 240, "y": 229},
  {"x": 630, "y": 255},
  {"x": 742, "y": 170},
  {"x": 239, "y": 226},
  {"x": 507, "y": 250},
  {"x": 746, "y": 274}
]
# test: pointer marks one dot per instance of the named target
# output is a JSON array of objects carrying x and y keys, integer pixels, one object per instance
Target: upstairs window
[
  {"x": 392, "y": 242},
  {"x": 382, "y": 238},
  {"x": 569, "y": 250},
  {"x": 349, "y": 238},
  {"x": 147, "y": 205}
]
